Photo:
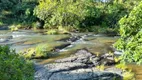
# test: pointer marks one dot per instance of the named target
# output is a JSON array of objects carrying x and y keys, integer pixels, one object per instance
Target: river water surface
[{"x": 95, "y": 43}]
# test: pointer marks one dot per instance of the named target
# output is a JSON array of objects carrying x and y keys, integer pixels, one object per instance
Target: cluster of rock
[
  {"x": 79, "y": 66},
  {"x": 73, "y": 38}
]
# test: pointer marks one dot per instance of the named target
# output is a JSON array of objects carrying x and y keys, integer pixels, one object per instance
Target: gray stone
[
  {"x": 56, "y": 67},
  {"x": 114, "y": 70},
  {"x": 76, "y": 74},
  {"x": 79, "y": 74},
  {"x": 82, "y": 53},
  {"x": 81, "y": 56},
  {"x": 41, "y": 73},
  {"x": 76, "y": 67}
]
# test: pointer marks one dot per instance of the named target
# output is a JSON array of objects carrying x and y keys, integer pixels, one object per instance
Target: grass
[
  {"x": 127, "y": 72},
  {"x": 101, "y": 67},
  {"x": 43, "y": 50},
  {"x": 1, "y": 23},
  {"x": 128, "y": 76},
  {"x": 60, "y": 30}
]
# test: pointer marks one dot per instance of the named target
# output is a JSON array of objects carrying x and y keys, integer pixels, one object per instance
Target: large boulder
[{"x": 78, "y": 66}]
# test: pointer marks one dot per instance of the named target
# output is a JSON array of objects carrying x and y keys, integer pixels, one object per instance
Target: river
[{"x": 96, "y": 43}]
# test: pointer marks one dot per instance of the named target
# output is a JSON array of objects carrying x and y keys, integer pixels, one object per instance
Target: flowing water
[
  {"x": 95, "y": 43},
  {"x": 22, "y": 39}
]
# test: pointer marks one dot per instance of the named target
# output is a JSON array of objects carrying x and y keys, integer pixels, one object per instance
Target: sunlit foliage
[{"x": 131, "y": 36}]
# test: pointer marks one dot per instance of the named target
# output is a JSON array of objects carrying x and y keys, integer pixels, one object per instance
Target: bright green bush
[
  {"x": 131, "y": 36},
  {"x": 106, "y": 14},
  {"x": 14, "y": 67},
  {"x": 56, "y": 13},
  {"x": 114, "y": 10}
]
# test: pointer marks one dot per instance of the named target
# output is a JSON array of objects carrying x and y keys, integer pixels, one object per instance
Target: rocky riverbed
[{"x": 81, "y": 65}]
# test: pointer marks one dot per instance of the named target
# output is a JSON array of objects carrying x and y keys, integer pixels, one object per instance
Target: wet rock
[
  {"x": 96, "y": 61},
  {"x": 81, "y": 56},
  {"x": 83, "y": 53},
  {"x": 84, "y": 56},
  {"x": 108, "y": 62},
  {"x": 108, "y": 59},
  {"x": 57, "y": 67},
  {"x": 79, "y": 66},
  {"x": 57, "y": 48},
  {"x": 42, "y": 74},
  {"x": 79, "y": 74},
  {"x": 108, "y": 76},
  {"x": 65, "y": 39},
  {"x": 75, "y": 74},
  {"x": 73, "y": 38},
  {"x": 114, "y": 70}
]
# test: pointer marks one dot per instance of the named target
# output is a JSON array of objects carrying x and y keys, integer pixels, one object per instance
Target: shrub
[
  {"x": 13, "y": 66},
  {"x": 56, "y": 13},
  {"x": 131, "y": 36},
  {"x": 52, "y": 31},
  {"x": 15, "y": 12}
]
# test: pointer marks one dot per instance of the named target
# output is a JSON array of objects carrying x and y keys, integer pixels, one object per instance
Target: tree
[
  {"x": 65, "y": 13},
  {"x": 131, "y": 36},
  {"x": 17, "y": 12}
]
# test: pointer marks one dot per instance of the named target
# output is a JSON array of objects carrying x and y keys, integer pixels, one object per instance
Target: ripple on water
[{"x": 16, "y": 35}]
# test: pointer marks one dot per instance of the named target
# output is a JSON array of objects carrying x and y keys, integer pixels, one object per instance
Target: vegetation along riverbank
[{"x": 70, "y": 39}]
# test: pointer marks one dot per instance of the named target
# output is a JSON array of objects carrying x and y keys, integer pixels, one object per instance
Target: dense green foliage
[
  {"x": 86, "y": 15},
  {"x": 107, "y": 14},
  {"x": 115, "y": 10},
  {"x": 131, "y": 36},
  {"x": 17, "y": 12},
  {"x": 66, "y": 13},
  {"x": 83, "y": 15},
  {"x": 14, "y": 67}
]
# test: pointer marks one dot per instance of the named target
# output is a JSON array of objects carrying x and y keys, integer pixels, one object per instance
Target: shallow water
[
  {"x": 137, "y": 69},
  {"x": 23, "y": 39},
  {"x": 95, "y": 43}
]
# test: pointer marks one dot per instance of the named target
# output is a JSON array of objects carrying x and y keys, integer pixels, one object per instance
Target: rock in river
[{"x": 76, "y": 67}]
